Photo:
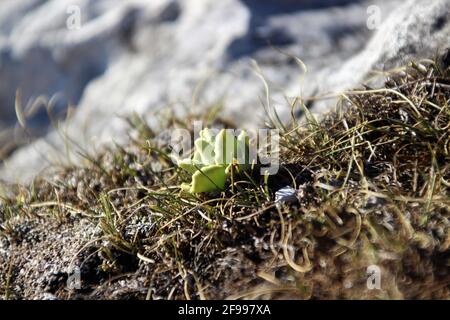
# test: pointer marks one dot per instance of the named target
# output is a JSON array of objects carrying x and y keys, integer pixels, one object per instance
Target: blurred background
[{"x": 101, "y": 60}]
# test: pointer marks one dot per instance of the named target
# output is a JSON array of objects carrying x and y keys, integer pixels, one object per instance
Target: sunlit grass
[{"x": 372, "y": 183}]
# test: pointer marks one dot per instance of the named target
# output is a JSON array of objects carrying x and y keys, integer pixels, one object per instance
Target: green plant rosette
[{"x": 213, "y": 160}]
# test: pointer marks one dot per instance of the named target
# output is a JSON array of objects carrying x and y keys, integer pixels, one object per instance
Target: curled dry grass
[{"x": 372, "y": 182}]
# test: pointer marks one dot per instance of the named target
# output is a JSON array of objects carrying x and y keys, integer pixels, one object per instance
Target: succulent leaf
[
  {"x": 189, "y": 165},
  {"x": 209, "y": 178},
  {"x": 205, "y": 151},
  {"x": 213, "y": 158},
  {"x": 225, "y": 147}
]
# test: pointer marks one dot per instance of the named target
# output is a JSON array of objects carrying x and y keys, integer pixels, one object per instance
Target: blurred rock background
[{"x": 109, "y": 58}]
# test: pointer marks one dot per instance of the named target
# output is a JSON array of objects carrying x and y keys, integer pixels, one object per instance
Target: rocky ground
[
  {"x": 369, "y": 192},
  {"x": 140, "y": 56},
  {"x": 98, "y": 221}
]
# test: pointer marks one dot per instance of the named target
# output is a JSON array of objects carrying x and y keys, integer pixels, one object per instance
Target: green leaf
[
  {"x": 189, "y": 165},
  {"x": 213, "y": 158},
  {"x": 205, "y": 151},
  {"x": 209, "y": 178},
  {"x": 225, "y": 147},
  {"x": 208, "y": 135}
]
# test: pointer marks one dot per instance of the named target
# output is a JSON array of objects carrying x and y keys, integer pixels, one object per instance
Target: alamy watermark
[
  {"x": 260, "y": 146},
  {"x": 73, "y": 21},
  {"x": 373, "y": 277},
  {"x": 73, "y": 278},
  {"x": 373, "y": 17}
]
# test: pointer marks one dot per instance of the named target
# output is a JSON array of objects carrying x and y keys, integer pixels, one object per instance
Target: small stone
[
  {"x": 286, "y": 195},
  {"x": 48, "y": 296}
]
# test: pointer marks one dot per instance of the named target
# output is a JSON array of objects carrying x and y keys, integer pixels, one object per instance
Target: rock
[
  {"x": 415, "y": 30},
  {"x": 47, "y": 296},
  {"x": 286, "y": 195},
  {"x": 138, "y": 56}
]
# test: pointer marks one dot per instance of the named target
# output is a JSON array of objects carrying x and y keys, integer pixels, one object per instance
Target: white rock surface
[
  {"x": 139, "y": 56},
  {"x": 415, "y": 30}
]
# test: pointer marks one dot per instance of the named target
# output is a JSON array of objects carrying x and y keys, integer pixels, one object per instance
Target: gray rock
[
  {"x": 418, "y": 29},
  {"x": 138, "y": 56},
  {"x": 286, "y": 195}
]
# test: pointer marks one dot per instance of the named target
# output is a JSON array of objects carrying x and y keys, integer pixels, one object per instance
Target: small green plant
[{"x": 214, "y": 158}]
